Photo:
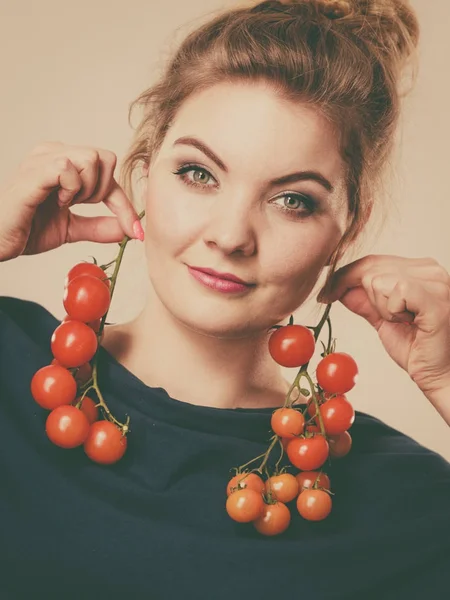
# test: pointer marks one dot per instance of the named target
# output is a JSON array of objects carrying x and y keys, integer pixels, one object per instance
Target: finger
[
  {"x": 105, "y": 175},
  {"x": 43, "y": 178},
  {"x": 351, "y": 275},
  {"x": 87, "y": 164},
  {"x": 103, "y": 230},
  {"x": 381, "y": 293},
  {"x": 118, "y": 203},
  {"x": 415, "y": 297},
  {"x": 104, "y": 163}
]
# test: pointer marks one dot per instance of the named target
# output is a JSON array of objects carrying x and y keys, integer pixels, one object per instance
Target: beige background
[{"x": 69, "y": 72}]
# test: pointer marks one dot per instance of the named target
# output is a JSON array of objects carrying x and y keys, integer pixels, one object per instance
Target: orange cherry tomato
[
  {"x": 284, "y": 486},
  {"x": 274, "y": 520},
  {"x": 287, "y": 422},
  {"x": 308, "y": 454},
  {"x": 340, "y": 445},
  {"x": 314, "y": 505},
  {"x": 241, "y": 481},
  {"x": 306, "y": 480},
  {"x": 245, "y": 505}
]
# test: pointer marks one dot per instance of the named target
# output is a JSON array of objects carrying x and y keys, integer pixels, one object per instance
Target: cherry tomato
[
  {"x": 340, "y": 445},
  {"x": 85, "y": 268},
  {"x": 241, "y": 481},
  {"x": 53, "y": 386},
  {"x": 313, "y": 428},
  {"x": 67, "y": 427},
  {"x": 89, "y": 408},
  {"x": 337, "y": 415},
  {"x": 314, "y": 505},
  {"x": 245, "y": 505},
  {"x": 274, "y": 520},
  {"x": 95, "y": 325},
  {"x": 105, "y": 443},
  {"x": 292, "y": 345},
  {"x": 283, "y": 486},
  {"x": 73, "y": 343},
  {"x": 285, "y": 442},
  {"x": 337, "y": 373},
  {"x": 86, "y": 298},
  {"x": 83, "y": 373},
  {"x": 306, "y": 480},
  {"x": 287, "y": 422},
  {"x": 308, "y": 454},
  {"x": 312, "y": 409}
]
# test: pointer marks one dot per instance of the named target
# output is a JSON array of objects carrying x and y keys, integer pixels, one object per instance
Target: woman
[{"x": 251, "y": 97}]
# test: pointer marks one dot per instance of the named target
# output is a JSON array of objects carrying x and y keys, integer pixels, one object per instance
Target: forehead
[{"x": 251, "y": 121}]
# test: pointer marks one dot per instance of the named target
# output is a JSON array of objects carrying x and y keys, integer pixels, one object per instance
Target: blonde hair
[{"x": 344, "y": 57}]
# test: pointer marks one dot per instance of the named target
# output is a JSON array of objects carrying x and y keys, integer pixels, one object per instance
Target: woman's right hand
[{"x": 34, "y": 205}]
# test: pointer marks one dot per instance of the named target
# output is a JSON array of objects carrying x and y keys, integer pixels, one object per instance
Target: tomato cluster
[
  {"x": 307, "y": 443},
  {"x": 74, "y": 418}
]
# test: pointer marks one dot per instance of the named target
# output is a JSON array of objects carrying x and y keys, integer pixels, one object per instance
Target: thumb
[
  {"x": 358, "y": 302},
  {"x": 104, "y": 230}
]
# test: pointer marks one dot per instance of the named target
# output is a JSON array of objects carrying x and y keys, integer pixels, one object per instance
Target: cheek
[
  {"x": 299, "y": 259},
  {"x": 169, "y": 222}
]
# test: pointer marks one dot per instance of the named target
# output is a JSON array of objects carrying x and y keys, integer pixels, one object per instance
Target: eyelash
[{"x": 310, "y": 203}]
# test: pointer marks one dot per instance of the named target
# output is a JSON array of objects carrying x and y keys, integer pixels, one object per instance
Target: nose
[{"x": 231, "y": 227}]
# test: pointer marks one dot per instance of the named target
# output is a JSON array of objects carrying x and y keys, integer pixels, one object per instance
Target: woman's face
[{"x": 233, "y": 217}]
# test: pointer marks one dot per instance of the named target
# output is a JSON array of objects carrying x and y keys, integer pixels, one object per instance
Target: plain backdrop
[{"x": 69, "y": 72}]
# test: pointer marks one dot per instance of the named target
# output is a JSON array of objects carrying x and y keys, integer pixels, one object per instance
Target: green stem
[{"x": 93, "y": 381}]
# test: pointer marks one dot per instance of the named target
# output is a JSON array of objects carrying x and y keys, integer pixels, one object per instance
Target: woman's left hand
[{"x": 407, "y": 300}]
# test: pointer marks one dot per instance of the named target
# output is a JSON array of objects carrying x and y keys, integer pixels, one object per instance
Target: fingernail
[{"x": 138, "y": 231}]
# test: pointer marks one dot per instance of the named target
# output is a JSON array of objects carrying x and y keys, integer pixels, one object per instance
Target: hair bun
[{"x": 335, "y": 9}]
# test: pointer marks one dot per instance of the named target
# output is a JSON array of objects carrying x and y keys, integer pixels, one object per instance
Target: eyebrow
[{"x": 290, "y": 178}]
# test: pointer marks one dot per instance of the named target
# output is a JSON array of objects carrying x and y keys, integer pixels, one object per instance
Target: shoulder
[
  {"x": 379, "y": 444},
  {"x": 25, "y": 320},
  {"x": 390, "y": 477}
]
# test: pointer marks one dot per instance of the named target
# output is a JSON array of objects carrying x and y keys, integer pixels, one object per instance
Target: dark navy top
[{"x": 154, "y": 524}]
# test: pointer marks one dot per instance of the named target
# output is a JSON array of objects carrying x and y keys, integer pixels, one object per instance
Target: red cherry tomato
[
  {"x": 83, "y": 373},
  {"x": 306, "y": 480},
  {"x": 314, "y": 505},
  {"x": 274, "y": 520},
  {"x": 89, "y": 408},
  {"x": 337, "y": 373},
  {"x": 287, "y": 422},
  {"x": 53, "y": 386},
  {"x": 292, "y": 345},
  {"x": 86, "y": 298},
  {"x": 241, "y": 481},
  {"x": 73, "y": 343},
  {"x": 95, "y": 325},
  {"x": 308, "y": 454},
  {"x": 337, "y": 414},
  {"x": 85, "y": 268},
  {"x": 105, "y": 443},
  {"x": 283, "y": 486},
  {"x": 67, "y": 427},
  {"x": 245, "y": 505},
  {"x": 340, "y": 445}
]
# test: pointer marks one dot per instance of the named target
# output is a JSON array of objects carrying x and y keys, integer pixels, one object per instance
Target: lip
[
  {"x": 225, "y": 276},
  {"x": 225, "y": 286}
]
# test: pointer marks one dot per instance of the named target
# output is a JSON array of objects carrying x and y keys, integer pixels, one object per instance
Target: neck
[{"x": 196, "y": 368}]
